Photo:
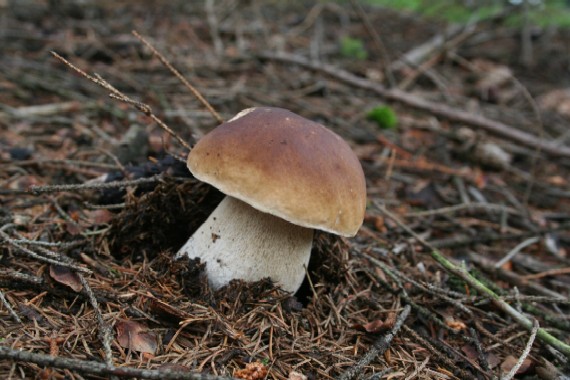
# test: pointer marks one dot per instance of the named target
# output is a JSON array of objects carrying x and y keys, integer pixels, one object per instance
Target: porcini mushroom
[{"x": 283, "y": 177}]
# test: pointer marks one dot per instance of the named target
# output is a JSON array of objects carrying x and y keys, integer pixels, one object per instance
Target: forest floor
[{"x": 461, "y": 268}]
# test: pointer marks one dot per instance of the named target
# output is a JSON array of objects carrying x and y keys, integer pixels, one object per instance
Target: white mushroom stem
[{"x": 240, "y": 242}]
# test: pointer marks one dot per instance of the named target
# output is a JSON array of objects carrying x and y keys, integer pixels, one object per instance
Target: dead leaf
[
  {"x": 73, "y": 228},
  {"x": 97, "y": 217},
  {"x": 378, "y": 325},
  {"x": 451, "y": 321},
  {"x": 456, "y": 325},
  {"x": 24, "y": 183},
  {"x": 424, "y": 195},
  {"x": 556, "y": 180},
  {"x": 374, "y": 326},
  {"x": 136, "y": 337},
  {"x": 556, "y": 100},
  {"x": 470, "y": 351},
  {"x": 296, "y": 376},
  {"x": 166, "y": 311},
  {"x": 510, "y": 362},
  {"x": 252, "y": 371},
  {"x": 493, "y": 360},
  {"x": 65, "y": 276}
]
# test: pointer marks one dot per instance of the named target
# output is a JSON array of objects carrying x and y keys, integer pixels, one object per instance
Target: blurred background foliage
[{"x": 540, "y": 12}]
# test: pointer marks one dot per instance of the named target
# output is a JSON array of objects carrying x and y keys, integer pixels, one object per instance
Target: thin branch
[
  {"x": 378, "y": 348},
  {"x": 464, "y": 207},
  {"x": 480, "y": 353},
  {"x": 440, "y": 356},
  {"x": 441, "y": 110},
  {"x": 213, "y": 27},
  {"x": 430, "y": 290},
  {"x": 462, "y": 273},
  {"x": 55, "y": 261},
  {"x": 525, "y": 353},
  {"x": 101, "y": 369},
  {"x": 192, "y": 89},
  {"x": 515, "y": 250},
  {"x": 384, "y": 57},
  {"x": 9, "y": 307},
  {"x": 551, "y": 272},
  {"x": 116, "y": 94},
  {"x": 418, "y": 369},
  {"x": 104, "y": 328},
  {"x": 91, "y": 186}
]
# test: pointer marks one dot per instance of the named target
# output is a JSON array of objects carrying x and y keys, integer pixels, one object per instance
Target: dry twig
[
  {"x": 116, "y": 94},
  {"x": 378, "y": 348},
  {"x": 441, "y": 110},
  {"x": 462, "y": 273},
  {"x": 192, "y": 89},
  {"x": 101, "y": 369},
  {"x": 9, "y": 308},
  {"x": 525, "y": 353},
  {"x": 92, "y": 186}
]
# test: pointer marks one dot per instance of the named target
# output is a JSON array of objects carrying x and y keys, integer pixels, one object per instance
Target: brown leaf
[
  {"x": 296, "y": 376},
  {"x": 136, "y": 337},
  {"x": 99, "y": 216},
  {"x": 493, "y": 360},
  {"x": 374, "y": 326},
  {"x": 450, "y": 320},
  {"x": 74, "y": 228},
  {"x": 510, "y": 362},
  {"x": 252, "y": 371},
  {"x": 470, "y": 351},
  {"x": 377, "y": 325},
  {"x": 456, "y": 325},
  {"x": 65, "y": 276},
  {"x": 166, "y": 311}
]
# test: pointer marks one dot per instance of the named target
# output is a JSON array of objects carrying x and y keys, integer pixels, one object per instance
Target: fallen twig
[
  {"x": 104, "y": 328},
  {"x": 384, "y": 57},
  {"x": 441, "y": 356},
  {"x": 516, "y": 250},
  {"x": 55, "y": 260},
  {"x": 463, "y": 207},
  {"x": 480, "y": 353},
  {"x": 91, "y": 186},
  {"x": 525, "y": 353},
  {"x": 378, "y": 348},
  {"x": 551, "y": 272},
  {"x": 492, "y": 126},
  {"x": 192, "y": 89},
  {"x": 462, "y": 273},
  {"x": 116, "y": 94},
  {"x": 514, "y": 279},
  {"x": 101, "y": 369},
  {"x": 9, "y": 308}
]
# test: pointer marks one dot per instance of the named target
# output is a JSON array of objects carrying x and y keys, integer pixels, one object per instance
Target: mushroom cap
[{"x": 285, "y": 165}]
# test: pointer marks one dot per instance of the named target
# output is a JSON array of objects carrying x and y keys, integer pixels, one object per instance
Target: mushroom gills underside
[{"x": 240, "y": 242}]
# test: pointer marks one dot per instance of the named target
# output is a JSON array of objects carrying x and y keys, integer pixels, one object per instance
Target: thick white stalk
[{"x": 240, "y": 242}]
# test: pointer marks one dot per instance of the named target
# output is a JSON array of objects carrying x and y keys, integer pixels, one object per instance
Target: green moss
[
  {"x": 384, "y": 116},
  {"x": 545, "y": 13},
  {"x": 353, "y": 48}
]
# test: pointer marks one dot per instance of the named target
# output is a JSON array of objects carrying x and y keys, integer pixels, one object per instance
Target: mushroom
[{"x": 283, "y": 177}]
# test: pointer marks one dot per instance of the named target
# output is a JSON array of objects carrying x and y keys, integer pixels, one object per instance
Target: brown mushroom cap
[{"x": 285, "y": 165}]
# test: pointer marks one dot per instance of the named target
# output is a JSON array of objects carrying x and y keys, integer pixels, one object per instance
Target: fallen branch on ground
[
  {"x": 441, "y": 110},
  {"x": 378, "y": 348},
  {"x": 101, "y": 369},
  {"x": 463, "y": 274}
]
